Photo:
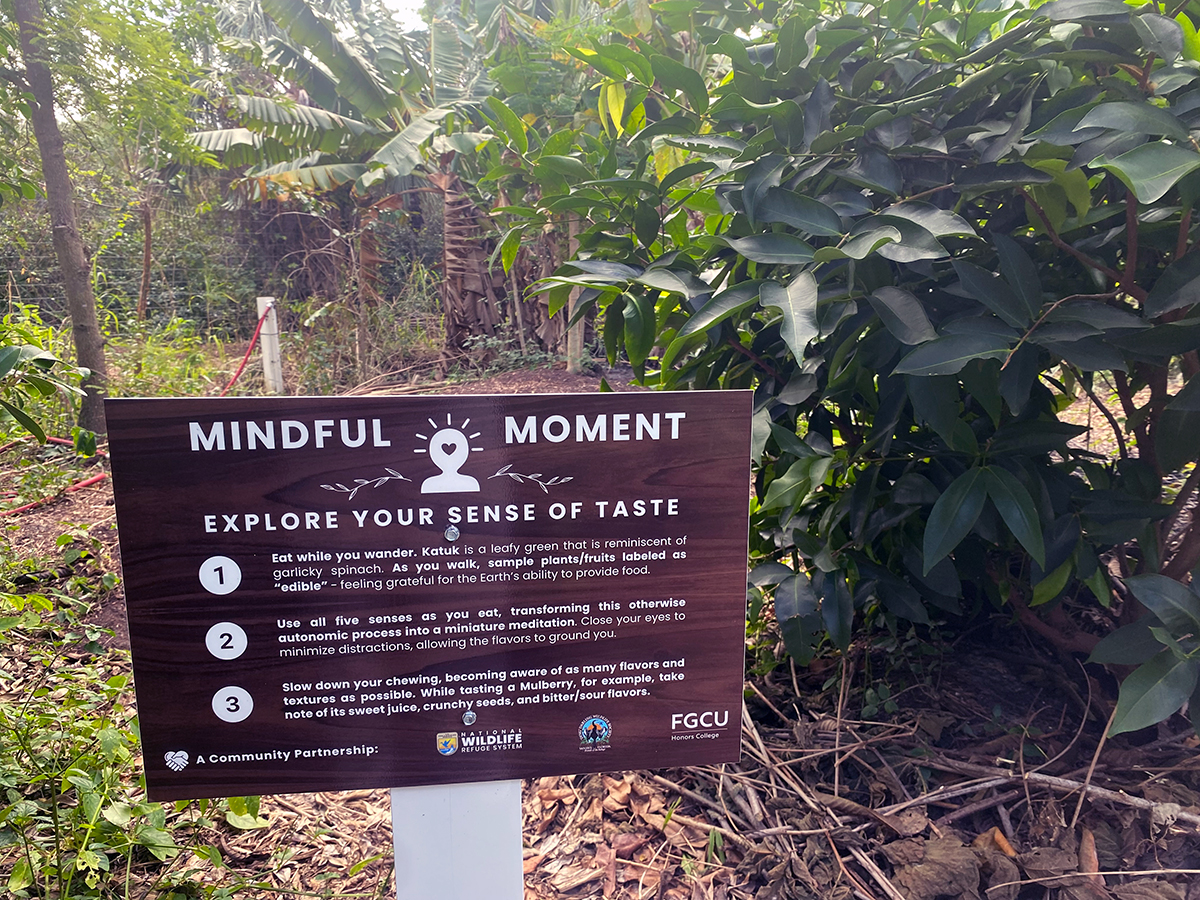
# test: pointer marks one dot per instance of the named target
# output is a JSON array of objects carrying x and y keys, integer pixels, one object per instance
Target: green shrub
[{"x": 917, "y": 234}]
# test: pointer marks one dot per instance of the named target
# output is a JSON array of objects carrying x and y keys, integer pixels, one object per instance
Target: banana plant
[{"x": 355, "y": 101}]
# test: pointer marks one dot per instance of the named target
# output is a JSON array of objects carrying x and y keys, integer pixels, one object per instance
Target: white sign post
[
  {"x": 269, "y": 336},
  {"x": 458, "y": 841}
]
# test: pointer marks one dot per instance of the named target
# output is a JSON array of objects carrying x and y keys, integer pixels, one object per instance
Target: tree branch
[
  {"x": 1104, "y": 410},
  {"x": 12, "y": 76},
  {"x": 1181, "y": 241},
  {"x": 1131, "y": 236},
  {"x": 1131, "y": 289},
  {"x": 1131, "y": 411},
  {"x": 1177, "y": 508},
  {"x": 1042, "y": 318},
  {"x": 755, "y": 358}
]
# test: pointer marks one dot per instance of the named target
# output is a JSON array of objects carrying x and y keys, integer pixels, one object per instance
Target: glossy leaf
[
  {"x": 953, "y": 516},
  {"x": 994, "y": 293},
  {"x": 1175, "y": 606},
  {"x": 722, "y": 306},
  {"x": 786, "y": 249},
  {"x": 1178, "y": 286},
  {"x": 1129, "y": 645},
  {"x": 794, "y": 596},
  {"x": 902, "y": 315},
  {"x": 1154, "y": 691},
  {"x": 798, "y": 303},
  {"x": 1017, "y": 509},
  {"x": 1139, "y": 118},
  {"x": 1152, "y": 169},
  {"x": 948, "y": 354},
  {"x": 800, "y": 212},
  {"x": 675, "y": 76}
]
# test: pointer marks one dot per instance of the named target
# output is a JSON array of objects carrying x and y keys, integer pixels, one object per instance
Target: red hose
[
  {"x": 76, "y": 486},
  {"x": 249, "y": 350}
]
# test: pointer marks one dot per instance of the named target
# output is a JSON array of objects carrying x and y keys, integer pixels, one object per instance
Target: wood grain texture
[{"x": 165, "y": 490}]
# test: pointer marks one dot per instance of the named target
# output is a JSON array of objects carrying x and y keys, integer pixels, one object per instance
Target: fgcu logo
[{"x": 710, "y": 719}]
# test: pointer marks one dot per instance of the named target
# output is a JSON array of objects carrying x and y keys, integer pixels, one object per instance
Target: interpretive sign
[{"x": 331, "y": 593}]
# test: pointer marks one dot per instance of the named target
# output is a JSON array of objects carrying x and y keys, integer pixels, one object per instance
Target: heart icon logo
[
  {"x": 448, "y": 447},
  {"x": 176, "y": 760}
]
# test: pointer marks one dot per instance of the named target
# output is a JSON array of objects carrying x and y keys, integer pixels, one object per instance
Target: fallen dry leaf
[{"x": 946, "y": 869}]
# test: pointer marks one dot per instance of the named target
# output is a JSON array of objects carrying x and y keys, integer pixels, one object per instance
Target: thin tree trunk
[
  {"x": 68, "y": 244},
  {"x": 147, "y": 247},
  {"x": 574, "y": 332}
]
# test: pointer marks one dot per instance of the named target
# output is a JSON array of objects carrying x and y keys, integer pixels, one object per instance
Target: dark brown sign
[{"x": 332, "y": 593}]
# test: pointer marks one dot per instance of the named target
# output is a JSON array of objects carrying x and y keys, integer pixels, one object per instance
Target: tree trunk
[
  {"x": 574, "y": 332},
  {"x": 68, "y": 244},
  {"x": 147, "y": 259}
]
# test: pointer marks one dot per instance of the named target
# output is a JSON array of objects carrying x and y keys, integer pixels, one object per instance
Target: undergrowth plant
[
  {"x": 74, "y": 819},
  {"x": 36, "y": 387}
]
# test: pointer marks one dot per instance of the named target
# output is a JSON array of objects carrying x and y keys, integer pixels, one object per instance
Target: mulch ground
[{"x": 906, "y": 769}]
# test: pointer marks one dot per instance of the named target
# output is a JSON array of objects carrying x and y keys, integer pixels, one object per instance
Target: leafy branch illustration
[
  {"x": 537, "y": 478},
  {"x": 360, "y": 483}
]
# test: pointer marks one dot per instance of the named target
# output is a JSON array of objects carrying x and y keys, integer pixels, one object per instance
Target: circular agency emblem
[
  {"x": 594, "y": 733},
  {"x": 447, "y": 743}
]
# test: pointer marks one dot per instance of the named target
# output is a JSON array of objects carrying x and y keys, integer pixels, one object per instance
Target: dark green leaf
[
  {"x": 1175, "y": 439},
  {"x": 646, "y": 223},
  {"x": 1188, "y": 399},
  {"x": 837, "y": 609},
  {"x": 24, "y": 420},
  {"x": 798, "y": 303},
  {"x": 1176, "y": 607},
  {"x": 800, "y": 212},
  {"x": 761, "y": 177},
  {"x": 1017, "y": 509},
  {"x": 1152, "y": 169},
  {"x": 902, "y": 315},
  {"x": 1159, "y": 35},
  {"x": 1137, "y": 118},
  {"x": 1154, "y": 691},
  {"x": 1020, "y": 273},
  {"x": 785, "y": 249},
  {"x": 722, "y": 306},
  {"x": 1176, "y": 287},
  {"x": 1075, "y": 10},
  {"x": 794, "y": 597},
  {"x": 953, "y": 516},
  {"x": 994, "y": 293},
  {"x": 675, "y": 76},
  {"x": 947, "y": 355},
  {"x": 1129, "y": 645},
  {"x": 937, "y": 221},
  {"x": 989, "y": 176},
  {"x": 770, "y": 573},
  {"x": 639, "y": 329},
  {"x": 876, "y": 171}
]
